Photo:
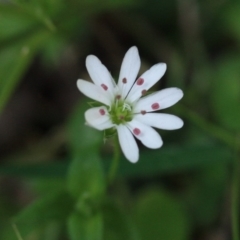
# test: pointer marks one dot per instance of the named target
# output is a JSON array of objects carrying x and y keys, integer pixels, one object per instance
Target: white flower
[{"x": 124, "y": 105}]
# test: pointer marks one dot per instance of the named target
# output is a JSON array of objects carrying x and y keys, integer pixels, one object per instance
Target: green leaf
[
  {"x": 174, "y": 158},
  {"x": 56, "y": 206},
  {"x": 56, "y": 169},
  {"x": 82, "y": 138},
  {"x": 85, "y": 177},
  {"x": 14, "y": 60},
  {"x": 81, "y": 227},
  {"x": 226, "y": 91},
  {"x": 205, "y": 193},
  {"x": 159, "y": 216},
  {"x": 15, "y": 22},
  {"x": 117, "y": 225},
  {"x": 231, "y": 19},
  {"x": 151, "y": 163}
]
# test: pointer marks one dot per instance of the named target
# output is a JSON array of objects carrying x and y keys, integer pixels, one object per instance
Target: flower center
[{"x": 121, "y": 112}]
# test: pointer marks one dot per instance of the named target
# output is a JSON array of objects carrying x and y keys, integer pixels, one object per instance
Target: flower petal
[
  {"x": 129, "y": 70},
  {"x": 159, "y": 100},
  {"x": 100, "y": 75},
  {"x": 98, "y": 118},
  {"x": 94, "y": 92},
  {"x": 146, "y": 134},
  {"x": 146, "y": 81},
  {"x": 160, "y": 120},
  {"x": 128, "y": 143}
]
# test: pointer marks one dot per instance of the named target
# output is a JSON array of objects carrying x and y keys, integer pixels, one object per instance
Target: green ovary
[{"x": 121, "y": 112}]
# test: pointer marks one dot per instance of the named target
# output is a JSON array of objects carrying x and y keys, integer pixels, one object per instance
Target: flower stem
[
  {"x": 235, "y": 196},
  {"x": 115, "y": 161}
]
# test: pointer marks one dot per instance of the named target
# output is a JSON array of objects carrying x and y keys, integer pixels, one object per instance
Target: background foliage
[{"x": 54, "y": 169}]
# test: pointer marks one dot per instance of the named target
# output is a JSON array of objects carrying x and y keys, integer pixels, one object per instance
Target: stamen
[
  {"x": 124, "y": 80},
  {"x": 136, "y": 131},
  {"x": 102, "y": 111},
  {"x": 104, "y": 87},
  {"x": 127, "y": 106},
  {"x": 144, "y": 91},
  {"x": 140, "y": 81},
  {"x": 155, "y": 106},
  {"x": 143, "y": 112},
  {"x": 118, "y": 97}
]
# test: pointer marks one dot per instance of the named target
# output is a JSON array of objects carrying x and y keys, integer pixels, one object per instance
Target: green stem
[
  {"x": 235, "y": 196},
  {"x": 19, "y": 237},
  {"x": 115, "y": 161}
]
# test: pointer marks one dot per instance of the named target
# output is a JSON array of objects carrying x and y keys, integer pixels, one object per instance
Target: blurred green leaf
[
  {"x": 53, "y": 49},
  {"x": 53, "y": 231},
  {"x": 22, "y": 34},
  {"x": 117, "y": 225},
  {"x": 174, "y": 159},
  {"x": 231, "y": 19},
  {"x": 14, "y": 61},
  {"x": 82, "y": 138},
  {"x": 107, "y": 4},
  {"x": 151, "y": 163},
  {"x": 15, "y": 22},
  {"x": 55, "y": 169},
  {"x": 44, "y": 186},
  {"x": 56, "y": 206},
  {"x": 159, "y": 216},
  {"x": 85, "y": 228},
  {"x": 204, "y": 197},
  {"x": 226, "y": 91},
  {"x": 85, "y": 177}
]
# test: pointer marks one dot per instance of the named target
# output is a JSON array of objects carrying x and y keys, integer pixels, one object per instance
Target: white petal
[
  {"x": 94, "y": 92},
  {"x": 129, "y": 70},
  {"x": 149, "y": 78},
  {"x": 128, "y": 143},
  {"x": 99, "y": 74},
  {"x": 147, "y": 135},
  {"x": 163, "y": 99},
  {"x": 160, "y": 120},
  {"x": 95, "y": 119}
]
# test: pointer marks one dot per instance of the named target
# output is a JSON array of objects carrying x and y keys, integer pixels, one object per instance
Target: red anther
[
  {"x": 143, "y": 112},
  {"x": 104, "y": 87},
  {"x": 140, "y": 81},
  {"x": 144, "y": 92},
  {"x": 124, "y": 80},
  {"x": 136, "y": 131},
  {"x": 155, "y": 106},
  {"x": 102, "y": 111}
]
